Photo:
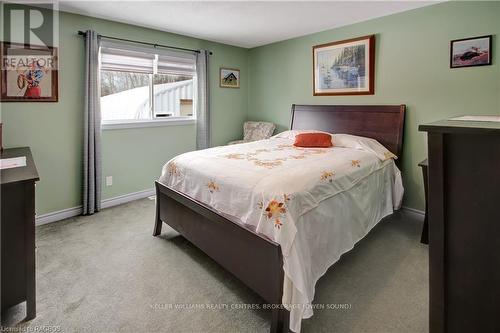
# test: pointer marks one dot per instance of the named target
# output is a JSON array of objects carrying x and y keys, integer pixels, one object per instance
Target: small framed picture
[
  {"x": 29, "y": 73},
  {"x": 469, "y": 52},
  {"x": 345, "y": 67},
  {"x": 229, "y": 78}
]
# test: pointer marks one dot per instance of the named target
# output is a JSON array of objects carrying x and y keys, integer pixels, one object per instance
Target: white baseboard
[
  {"x": 57, "y": 215},
  {"x": 420, "y": 213},
  {"x": 106, "y": 203}
]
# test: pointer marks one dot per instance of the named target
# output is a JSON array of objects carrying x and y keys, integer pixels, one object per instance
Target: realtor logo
[{"x": 25, "y": 24}]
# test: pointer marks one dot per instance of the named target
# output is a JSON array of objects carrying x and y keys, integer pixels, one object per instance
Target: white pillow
[
  {"x": 346, "y": 141},
  {"x": 362, "y": 143},
  {"x": 290, "y": 134}
]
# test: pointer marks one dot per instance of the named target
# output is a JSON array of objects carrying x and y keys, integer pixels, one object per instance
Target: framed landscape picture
[
  {"x": 28, "y": 73},
  {"x": 470, "y": 52},
  {"x": 345, "y": 67},
  {"x": 229, "y": 78}
]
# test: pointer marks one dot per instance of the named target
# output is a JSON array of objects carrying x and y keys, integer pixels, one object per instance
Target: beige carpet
[{"x": 106, "y": 273}]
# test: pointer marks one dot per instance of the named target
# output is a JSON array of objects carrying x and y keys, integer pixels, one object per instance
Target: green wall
[
  {"x": 133, "y": 157},
  {"x": 412, "y": 68}
]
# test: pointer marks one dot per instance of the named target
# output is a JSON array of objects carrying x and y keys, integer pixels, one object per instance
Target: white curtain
[
  {"x": 92, "y": 127},
  {"x": 202, "y": 101}
]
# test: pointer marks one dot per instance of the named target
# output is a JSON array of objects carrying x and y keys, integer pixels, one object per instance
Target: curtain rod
[{"x": 83, "y": 33}]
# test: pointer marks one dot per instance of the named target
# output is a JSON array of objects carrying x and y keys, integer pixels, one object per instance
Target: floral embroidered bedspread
[{"x": 270, "y": 183}]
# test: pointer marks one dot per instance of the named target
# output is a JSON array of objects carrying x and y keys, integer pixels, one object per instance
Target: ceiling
[{"x": 240, "y": 23}]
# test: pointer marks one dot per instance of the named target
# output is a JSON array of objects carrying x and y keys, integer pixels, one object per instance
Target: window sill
[{"x": 111, "y": 125}]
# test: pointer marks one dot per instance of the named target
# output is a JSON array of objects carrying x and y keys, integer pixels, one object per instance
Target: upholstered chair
[{"x": 255, "y": 130}]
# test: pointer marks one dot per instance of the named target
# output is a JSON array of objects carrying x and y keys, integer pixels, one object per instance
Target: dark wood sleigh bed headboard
[{"x": 383, "y": 123}]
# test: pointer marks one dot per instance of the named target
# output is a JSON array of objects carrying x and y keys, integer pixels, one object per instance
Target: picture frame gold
[{"x": 229, "y": 77}]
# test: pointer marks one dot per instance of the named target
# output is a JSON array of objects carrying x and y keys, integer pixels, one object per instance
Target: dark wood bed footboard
[{"x": 252, "y": 258}]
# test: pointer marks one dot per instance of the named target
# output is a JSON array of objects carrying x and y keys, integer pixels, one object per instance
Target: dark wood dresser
[
  {"x": 18, "y": 232},
  {"x": 464, "y": 226}
]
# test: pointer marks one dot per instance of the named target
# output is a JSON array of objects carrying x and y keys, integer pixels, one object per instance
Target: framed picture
[
  {"x": 344, "y": 68},
  {"x": 229, "y": 78},
  {"x": 470, "y": 52},
  {"x": 29, "y": 73}
]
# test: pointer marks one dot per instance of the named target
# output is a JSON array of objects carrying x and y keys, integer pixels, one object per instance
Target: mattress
[{"x": 315, "y": 202}]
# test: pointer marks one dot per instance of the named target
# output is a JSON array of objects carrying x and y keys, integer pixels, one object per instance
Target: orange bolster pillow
[{"x": 321, "y": 140}]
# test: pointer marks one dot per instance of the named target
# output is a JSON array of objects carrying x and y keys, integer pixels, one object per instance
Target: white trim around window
[{"x": 124, "y": 124}]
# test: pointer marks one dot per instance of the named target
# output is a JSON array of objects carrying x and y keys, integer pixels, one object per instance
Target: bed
[{"x": 238, "y": 205}]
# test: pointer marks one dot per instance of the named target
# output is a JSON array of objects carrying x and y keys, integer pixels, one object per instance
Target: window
[
  {"x": 170, "y": 92},
  {"x": 142, "y": 86},
  {"x": 124, "y": 95}
]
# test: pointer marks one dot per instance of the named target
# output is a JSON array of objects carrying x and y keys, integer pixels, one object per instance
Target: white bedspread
[{"x": 315, "y": 202}]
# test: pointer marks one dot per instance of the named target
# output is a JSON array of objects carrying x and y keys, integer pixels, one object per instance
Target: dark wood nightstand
[
  {"x": 18, "y": 232},
  {"x": 424, "y": 239}
]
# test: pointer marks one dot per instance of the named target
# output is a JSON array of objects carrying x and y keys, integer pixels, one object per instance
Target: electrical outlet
[{"x": 109, "y": 180}]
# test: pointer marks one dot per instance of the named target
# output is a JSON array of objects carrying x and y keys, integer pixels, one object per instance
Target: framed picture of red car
[
  {"x": 469, "y": 52},
  {"x": 29, "y": 73}
]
